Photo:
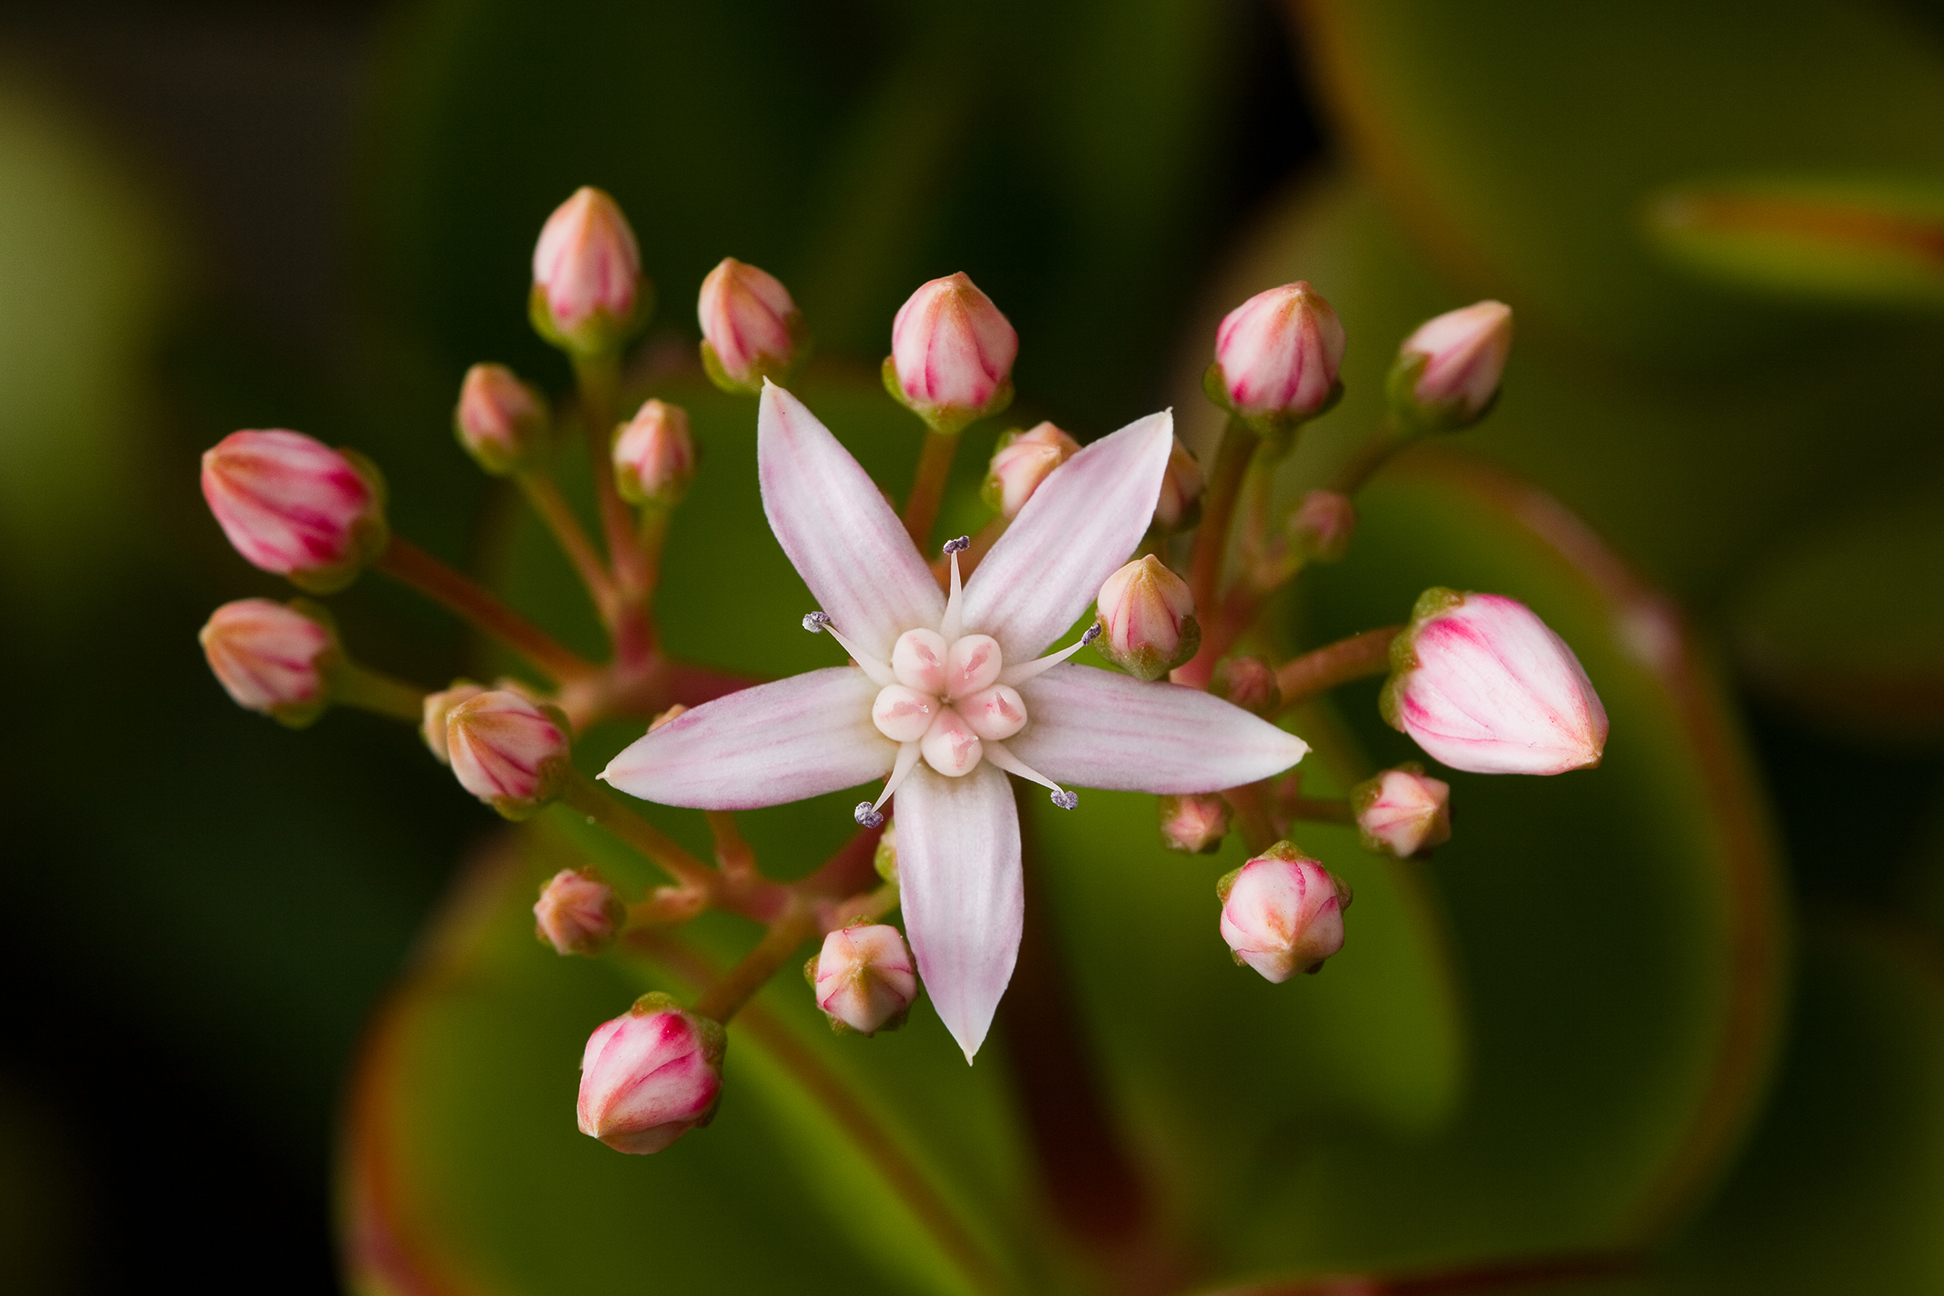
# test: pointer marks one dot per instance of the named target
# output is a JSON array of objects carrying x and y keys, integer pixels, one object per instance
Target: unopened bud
[
  {"x": 1446, "y": 375},
  {"x": 650, "y": 1076},
  {"x": 885, "y": 858},
  {"x": 654, "y": 455},
  {"x": 435, "y": 711},
  {"x": 507, "y": 751},
  {"x": 1401, "y": 812},
  {"x": 589, "y": 296},
  {"x": 578, "y": 912},
  {"x": 1147, "y": 619},
  {"x": 500, "y": 420},
  {"x": 1022, "y": 461},
  {"x": 1322, "y": 526},
  {"x": 951, "y": 355},
  {"x": 1179, "y": 505},
  {"x": 1276, "y": 359},
  {"x": 1194, "y": 823},
  {"x": 751, "y": 329},
  {"x": 862, "y": 978},
  {"x": 273, "y": 658},
  {"x": 1483, "y": 685},
  {"x": 1282, "y": 912},
  {"x": 1248, "y": 682},
  {"x": 294, "y": 506}
]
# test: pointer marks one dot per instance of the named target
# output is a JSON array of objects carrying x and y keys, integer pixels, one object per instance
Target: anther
[
  {"x": 959, "y": 545},
  {"x": 1066, "y": 800},
  {"x": 1093, "y": 633},
  {"x": 866, "y": 816},
  {"x": 815, "y": 622}
]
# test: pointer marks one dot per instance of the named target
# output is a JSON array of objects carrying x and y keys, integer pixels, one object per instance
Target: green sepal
[
  {"x": 1412, "y": 417},
  {"x": 945, "y": 420},
  {"x": 1148, "y": 663},
  {"x": 600, "y": 334},
  {"x": 1277, "y": 429},
  {"x": 779, "y": 371}
]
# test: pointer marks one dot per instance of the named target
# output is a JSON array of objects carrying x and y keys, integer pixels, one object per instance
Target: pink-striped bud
[
  {"x": 1248, "y": 682},
  {"x": 654, "y": 455},
  {"x": 589, "y": 295},
  {"x": 507, "y": 751},
  {"x": 499, "y": 420},
  {"x": 437, "y": 709},
  {"x": 1483, "y": 685},
  {"x": 1282, "y": 912},
  {"x": 1194, "y": 823},
  {"x": 1179, "y": 505},
  {"x": 951, "y": 355},
  {"x": 294, "y": 506},
  {"x": 1022, "y": 461},
  {"x": 751, "y": 329},
  {"x": 863, "y": 979},
  {"x": 1276, "y": 358},
  {"x": 1322, "y": 526},
  {"x": 650, "y": 1076},
  {"x": 273, "y": 658},
  {"x": 1447, "y": 373},
  {"x": 1401, "y": 812},
  {"x": 578, "y": 912},
  {"x": 1147, "y": 619}
]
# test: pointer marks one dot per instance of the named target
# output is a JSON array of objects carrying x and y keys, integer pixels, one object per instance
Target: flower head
[
  {"x": 1447, "y": 372},
  {"x": 499, "y": 420},
  {"x": 1402, "y": 812},
  {"x": 1282, "y": 912},
  {"x": 1276, "y": 357},
  {"x": 863, "y": 978},
  {"x": 952, "y": 354},
  {"x": 588, "y": 292},
  {"x": 509, "y": 752},
  {"x": 1022, "y": 461},
  {"x": 294, "y": 506},
  {"x": 751, "y": 329},
  {"x": 650, "y": 1076},
  {"x": 948, "y": 695},
  {"x": 577, "y": 912},
  {"x": 1147, "y": 619},
  {"x": 1194, "y": 823},
  {"x": 272, "y": 657},
  {"x": 654, "y": 454}
]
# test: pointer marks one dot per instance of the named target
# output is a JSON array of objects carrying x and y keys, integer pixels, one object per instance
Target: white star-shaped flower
[{"x": 947, "y": 696}]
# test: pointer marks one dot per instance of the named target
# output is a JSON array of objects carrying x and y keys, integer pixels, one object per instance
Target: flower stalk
[
  {"x": 928, "y": 487},
  {"x": 1317, "y": 672},
  {"x": 406, "y": 562}
]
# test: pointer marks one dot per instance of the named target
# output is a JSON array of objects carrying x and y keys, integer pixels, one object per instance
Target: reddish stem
[
  {"x": 1320, "y": 671},
  {"x": 406, "y": 562}
]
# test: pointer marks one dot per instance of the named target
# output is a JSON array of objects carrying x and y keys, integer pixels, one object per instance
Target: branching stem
[
  {"x": 1347, "y": 659},
  {"x": 406, "y": 562}
]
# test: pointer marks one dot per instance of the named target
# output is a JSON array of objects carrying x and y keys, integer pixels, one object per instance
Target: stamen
[
  {"x": 1017, "y": 675},
  {"x": 997, "y": 753},
  {"x": 950, "y": 627},
  {"x": 867, "y": 811},
  {"x": 819, "y": 623}
]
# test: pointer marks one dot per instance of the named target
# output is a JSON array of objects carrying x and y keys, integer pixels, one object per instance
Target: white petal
[
  {"x": 1075, "y": 532},
  {"x": 798, "y": 737},
  {"x": 961, "y": 892},
  {"x": 839, "y": 533},
  {"x": 1096, "y": 728}
]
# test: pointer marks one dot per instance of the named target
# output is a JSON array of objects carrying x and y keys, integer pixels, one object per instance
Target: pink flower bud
[
  {"x": 292, "y": 505},
  {"x": 578, "y": 912},
  {"x": 1447, "y": 373},
  {"x": 650, "y": 1076},
  {"x": 1322, "y": 526},
  {"x": 1282, "y": 912},
  {"x": 500, "y": 420},
  {"x": 272, "y": 657},
  {"x": 1179, "y": 505},
  {"x": 588, "y": 293},
  {"x": 751, "y": 329},
  {"x": 1401, "y": 812},
  {"x": 654, "y": 455},
  {"x": 507, "y": 751},
  {"x": 1276, "y": 356},
  {"x": 437, "y": 709},
  {"x": 951, "y": 355},
  {"x": 1194, "y": 823},
  {"x": 1248, "y": 682},
  {"x": 1483, "y": 685},
  {"x": 1022, "y": 461},
  {"x": 1147, "y": 619},
  {"x": 863, "y": 979}
]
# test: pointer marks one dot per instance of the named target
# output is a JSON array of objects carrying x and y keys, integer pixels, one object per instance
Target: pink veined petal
[
  {"x": 1075, "y": 531},
  {"x": 838, "y": 531},
  {"x": 798, "y": 737},
  {"x": 961, "y": 891},
  {"x": 1096, "y": 728}
]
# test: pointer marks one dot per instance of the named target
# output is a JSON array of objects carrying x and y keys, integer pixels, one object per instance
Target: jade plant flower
[{"x": 948, "y": 695}]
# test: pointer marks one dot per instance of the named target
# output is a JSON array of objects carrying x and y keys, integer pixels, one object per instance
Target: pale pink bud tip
[
  {"x": 654, "y": 455},
  {"x": 1322, "y": 525},
  {"x": 270, "y": 658},
  {"x": 1401, "y": 812},
  {"x": 751, "y": 329},
  {"x": 1282, "y": 913},
  {"x": 508, "y": 751},
  {"x": 952, "y": 353},
  {"x": 1179, "y": 505},
  {"x": 1448, "y": 371},
  {"x": 1277, "y": 354},
  {"x": 650, "y": 1076},
  {"x": 1194, "y": 823},
  {"x": 1483, "y": 685},
  {"x": 577, "y": 913},
  {"x": 863, "y": 978},
  {"x": 1022, "y": 461},
  {"x": 435, "y": 711},
  {"x": 1147, "y": 619},
  {"x": 587, "y": 260},
  {"x": 500, "y": 420},
  {"x": 294, "y": 506}
]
